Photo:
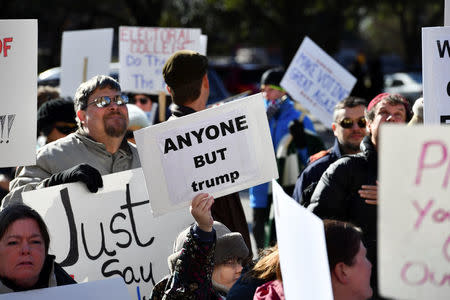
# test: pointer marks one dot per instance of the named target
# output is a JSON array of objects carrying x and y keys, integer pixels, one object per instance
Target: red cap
[{"x": 382, "y": 96}]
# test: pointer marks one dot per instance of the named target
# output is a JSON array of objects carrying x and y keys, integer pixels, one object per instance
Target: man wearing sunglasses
[
  {"x": 97, "y": 148},
  {"x": 349, "y": 128},
  {"x": 348, "y": 188}
]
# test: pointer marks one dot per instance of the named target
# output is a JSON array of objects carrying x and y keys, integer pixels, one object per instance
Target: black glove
[
  {"x": 82, "y": 172},
  {"x": 298, "y": 133}
]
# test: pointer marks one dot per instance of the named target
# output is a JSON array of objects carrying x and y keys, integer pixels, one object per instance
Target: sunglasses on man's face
[
  {"x": 104, "y": 101},
  {"x": 348, "y": 123}
]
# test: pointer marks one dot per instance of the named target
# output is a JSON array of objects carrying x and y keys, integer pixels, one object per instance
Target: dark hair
[
  {"x": 267, "y": 267},
  {"x": 343, "y": 241},
  {"x": 45, "y": 93},
  {"x": 392, "y": 99},
  {"x": 186, "y": 93},
  {"x": 88, "y": 87},
  {"x": 348, "y": 102},
  {"x": 15, "y": 212}
]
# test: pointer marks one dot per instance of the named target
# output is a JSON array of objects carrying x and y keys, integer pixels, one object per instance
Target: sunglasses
[
  {"x": 66, "y": 129},
  {"x": 104, "y": 101},
  {"x": 348, "y": 123},
  {"x": 143, "y": 100}
]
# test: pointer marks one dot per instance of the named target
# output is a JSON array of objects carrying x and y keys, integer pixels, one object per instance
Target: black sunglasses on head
[
  {"x": 104, "y": 101},
  {"x": 348, "y": 123}
]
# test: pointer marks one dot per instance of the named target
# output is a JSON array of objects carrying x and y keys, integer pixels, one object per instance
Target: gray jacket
[{"x": 63, "y": 154}]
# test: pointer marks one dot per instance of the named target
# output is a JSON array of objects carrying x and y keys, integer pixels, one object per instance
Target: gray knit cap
[{"x": 228, "y": 245}]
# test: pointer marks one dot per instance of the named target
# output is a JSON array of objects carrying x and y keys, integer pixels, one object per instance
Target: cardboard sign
[
  {"x": 203, "y": 44},
  {"x": 143, "y": 51},
  {"x": 111, "y": 232},
  {"x": 435, "y": 66},
  {"x": 220, "y": 150},
  {"x": 84, "y": 54},
  {"x": 18, "y": 65},
  {"x": 302, "y": 248},
  {"x": 447, "y": 13},
  {"x": 414, "y": 212},
  {"x": 317, "y": 81},
  {"x": 111, "y": 289}
]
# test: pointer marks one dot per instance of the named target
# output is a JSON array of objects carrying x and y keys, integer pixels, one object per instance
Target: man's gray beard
[
  {"x": 351, "y": 147},
  {"x": 113, "y": 131}
]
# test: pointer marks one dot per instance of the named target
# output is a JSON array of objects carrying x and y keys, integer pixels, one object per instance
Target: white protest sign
[
  {"x": 18, "y": 76},
  {"x": 203, "y": 44},
  {"x": 302, "y": 248},
  {"x": 111, "y": 289},
  {"x": 84, "y": 54},
  {"x": 219, "y": 150},
  {"x": 447, "y": 13},
  {"x": 317, "y": 81},
  {"x": 436, "y": 82},
  {"x": 143, "y": 51},
  {"x": 414, "y": 212},
  {"x": 111, "y": 232}
]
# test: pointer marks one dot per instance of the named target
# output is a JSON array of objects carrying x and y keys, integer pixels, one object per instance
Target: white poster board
[
  {"x": 414, "y": 213},
  {"x": 111, "y": 289},
  {"x": 220, "y": 150},
  {"x": 302, "y": 248},
  {"x": 18, "y": 77},
  {"x": 111, "y": 232},
  {"x": 84, "y": 54},
  {"x": 317, "y": 81},
  {"x": 447, "y": 13},
  {"x": 436, "y": 82},
  {"x": 143, "y": 51},
  {"x": 203, "y": 44}
]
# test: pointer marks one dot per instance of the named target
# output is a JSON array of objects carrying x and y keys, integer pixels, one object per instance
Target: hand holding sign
[{"x": 201, "y": 211}]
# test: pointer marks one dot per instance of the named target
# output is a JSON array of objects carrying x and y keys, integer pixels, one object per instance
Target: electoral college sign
[{"x": 220, "y": 150}]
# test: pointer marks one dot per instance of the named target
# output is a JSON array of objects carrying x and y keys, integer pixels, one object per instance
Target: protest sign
[
  {"x": 219, "y": 150},
  {"x": 317, "y": 81},
  {"x": 18, "y": 76},
  {"x": 302, "y": 249},
  {"x": 414, "y": 213},
  {"x": 84, "y": 54},
  {"x": 447, "y": 13},
  {"x": 111, "y": 232},
  {"x": 111, "y": 289},
  {"x": 143, "y": 51},
  {"x": 203, "y": 44},
  {"x": 435, "y": 66}
]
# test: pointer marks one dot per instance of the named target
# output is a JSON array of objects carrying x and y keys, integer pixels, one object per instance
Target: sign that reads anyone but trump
[
  {"x": 414, "y": 213},
  {"x": 317, "y": 81},
  {"x": 436, "y": 83},
  {"x": 111, "y": 232},
  {"x": 143, "y": 51},
  {"x": 220, "y": 150},
  {"x": 18, "y": 64}
]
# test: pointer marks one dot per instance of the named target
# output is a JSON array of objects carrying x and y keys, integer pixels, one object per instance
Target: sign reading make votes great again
[
  {"x": 414, "y": 212},
  {"x": 111, "y": 232},
  {"x": 220, "y": 150}
]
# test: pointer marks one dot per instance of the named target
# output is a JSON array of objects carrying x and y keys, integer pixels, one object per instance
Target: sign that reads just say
[
  {"x": 436, "y": 82},
  {"x": 18, "y": 65},
  {"x": 220, "y": 150},
  {"x": 317, "y": 81},
  {"x": 109, "y": 233},
  {"x": 143, "y": 51},
  {"x": 414, "y": 213}
]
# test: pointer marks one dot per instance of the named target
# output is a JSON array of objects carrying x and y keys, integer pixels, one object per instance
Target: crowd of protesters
[{"x": 91, "y": 135}]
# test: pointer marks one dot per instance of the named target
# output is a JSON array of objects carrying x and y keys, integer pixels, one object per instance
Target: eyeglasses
[
  {"x": 348, "y": 123},
  {"x": 66, "y": 129},
  {"x": 104, "y": 101},
  {"x": 143, "y": 100}
]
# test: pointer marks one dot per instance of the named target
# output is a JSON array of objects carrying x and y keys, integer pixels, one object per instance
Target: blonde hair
[{"x": 268, "y": 266}]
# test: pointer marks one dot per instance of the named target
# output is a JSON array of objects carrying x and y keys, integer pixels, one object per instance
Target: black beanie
[
  {"x": 55, "y": 110},
  {"x": 272, "y": 77}
]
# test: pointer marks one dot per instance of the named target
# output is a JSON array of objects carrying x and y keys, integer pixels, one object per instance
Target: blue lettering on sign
[
  {"x": 301, "y": 80},
  {"x": 141, "y": 83},
  {"x": 339, "y": 92},
  {"x": 154, "y": 60},
  {"x": 324, "y": 101},
  {"x": 325, "y": 80},
  {"x": 307, "y": 65},
  {"x": 133, "y": 61}
]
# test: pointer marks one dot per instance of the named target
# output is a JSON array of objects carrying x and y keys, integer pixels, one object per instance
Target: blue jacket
[
  {"x": 312, "y": 173},
  {"x": 279, "y": 127}
]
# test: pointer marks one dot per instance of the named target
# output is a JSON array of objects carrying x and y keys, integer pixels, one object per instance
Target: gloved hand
[
  {"x": 82, "y": 172},
  {"x": 298, "y": 133}
]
